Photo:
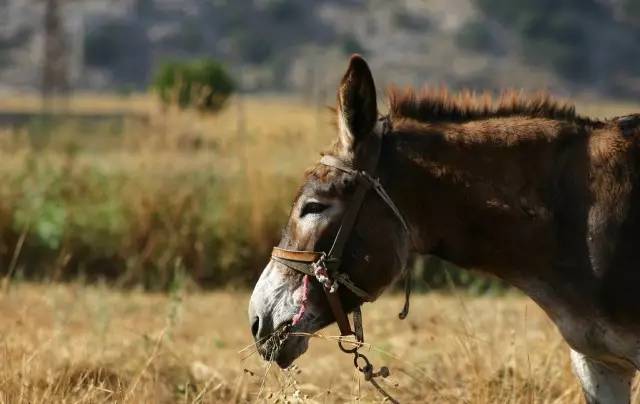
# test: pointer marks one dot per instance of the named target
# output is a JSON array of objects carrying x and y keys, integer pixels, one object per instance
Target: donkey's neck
[{"x": 481, "y": 194}]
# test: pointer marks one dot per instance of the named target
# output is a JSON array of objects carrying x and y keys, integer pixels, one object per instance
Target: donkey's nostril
[{"x": 255, "y": 327}]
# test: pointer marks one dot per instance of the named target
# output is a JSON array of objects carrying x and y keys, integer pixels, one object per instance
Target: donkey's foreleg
[{"x": 602, "y": 383}]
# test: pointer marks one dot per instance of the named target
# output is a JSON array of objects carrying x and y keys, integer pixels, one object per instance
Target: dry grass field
[
  {"x": 196, "y": 195},
  {"x": 82, "y": 344},
  {"x": 183, "y": 191}
]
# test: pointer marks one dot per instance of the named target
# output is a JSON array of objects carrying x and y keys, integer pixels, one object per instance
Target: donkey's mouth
[
  {"x": 284, "y": 346},
  {"x": 291, "y": 349}
]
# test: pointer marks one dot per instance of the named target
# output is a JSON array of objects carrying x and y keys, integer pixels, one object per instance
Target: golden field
[
  {"x": 83, "y": 344},
  {"x": 186, "y": 201}
]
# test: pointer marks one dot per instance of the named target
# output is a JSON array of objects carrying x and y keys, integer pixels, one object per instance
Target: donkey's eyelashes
[{"x": 313, "y": 207}]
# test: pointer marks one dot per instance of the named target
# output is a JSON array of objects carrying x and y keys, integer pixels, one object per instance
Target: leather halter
[{"x": 325, "y": 266}]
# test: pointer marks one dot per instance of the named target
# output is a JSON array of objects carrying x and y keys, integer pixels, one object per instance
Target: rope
[{"x": 358, "y": 330}]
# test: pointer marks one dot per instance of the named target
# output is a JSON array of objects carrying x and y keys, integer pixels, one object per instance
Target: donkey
[{"x": 520, "y": 187}]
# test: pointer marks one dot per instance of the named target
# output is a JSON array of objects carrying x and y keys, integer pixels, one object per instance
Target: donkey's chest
[
  {"x": 599, "y": 338},
  {"x": 585, "y": 330}
]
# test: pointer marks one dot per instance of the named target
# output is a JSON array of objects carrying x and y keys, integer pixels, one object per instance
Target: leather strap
[
  {"x": 293, "y": 255},
  {"x": 338, "y": 312},
  {"x": 303, "y": 267},
  {"x": 348, "y": 220}
]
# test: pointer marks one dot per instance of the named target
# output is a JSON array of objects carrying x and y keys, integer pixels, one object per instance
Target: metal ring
[
  {"x": 367, "y": 365},
  {"x": 353, "y": 350}
]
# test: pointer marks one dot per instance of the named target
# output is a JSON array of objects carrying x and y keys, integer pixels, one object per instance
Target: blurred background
[
  {"x": 149, "y": 154},
  {"x": 575, "y": 47},
  {"x": 144, "y": 140}
]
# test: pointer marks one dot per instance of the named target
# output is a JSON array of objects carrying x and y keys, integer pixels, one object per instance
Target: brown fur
[
  {"x": 522, "y": 186},
  {"x": 439, "y": 104}
]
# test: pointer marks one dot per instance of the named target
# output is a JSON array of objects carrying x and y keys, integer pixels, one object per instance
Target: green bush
[
  {"x": 131, "y": 228},
  {"x": 202, "y": 84}
]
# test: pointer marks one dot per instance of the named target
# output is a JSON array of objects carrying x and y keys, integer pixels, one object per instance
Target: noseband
[{"x": 325, "y": 266}]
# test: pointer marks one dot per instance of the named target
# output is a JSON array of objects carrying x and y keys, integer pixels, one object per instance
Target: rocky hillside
[{"x": 572, "y": 46}]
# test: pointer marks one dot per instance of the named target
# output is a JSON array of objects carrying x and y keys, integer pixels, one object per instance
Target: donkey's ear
[{"x": 357, "y": 109}]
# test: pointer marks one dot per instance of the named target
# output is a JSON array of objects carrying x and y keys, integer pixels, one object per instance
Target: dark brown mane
[{"x": 440, "y": 105}]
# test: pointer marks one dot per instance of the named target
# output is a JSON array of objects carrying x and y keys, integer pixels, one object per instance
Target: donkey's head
[{"x": 376, "y": 248}]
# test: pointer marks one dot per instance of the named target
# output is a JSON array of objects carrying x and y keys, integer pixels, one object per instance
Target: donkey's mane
[{"x": 441, "y": 105}]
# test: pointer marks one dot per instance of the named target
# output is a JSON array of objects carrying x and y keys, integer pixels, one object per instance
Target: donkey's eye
[{"x": 313, "y": 207}]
